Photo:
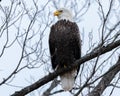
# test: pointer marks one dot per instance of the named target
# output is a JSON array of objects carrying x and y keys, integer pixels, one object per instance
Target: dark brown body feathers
[{"x": 64, "y": 44}]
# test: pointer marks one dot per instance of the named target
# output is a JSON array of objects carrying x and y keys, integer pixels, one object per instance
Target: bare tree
[{"x": 24, "y": 31}]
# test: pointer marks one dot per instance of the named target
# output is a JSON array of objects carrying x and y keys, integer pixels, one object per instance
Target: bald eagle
[{"x": 65, "y": 46}]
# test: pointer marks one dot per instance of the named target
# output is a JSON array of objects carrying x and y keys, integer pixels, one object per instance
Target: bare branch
[
  {"x": 53, "y": 75},
  {"x": 107, "y": 78},
  {"x": 53, "y": 85},
  {"x": 23, "y": 50}
]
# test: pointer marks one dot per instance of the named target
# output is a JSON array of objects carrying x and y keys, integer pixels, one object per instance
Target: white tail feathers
[{"x": 68, "y": 80}]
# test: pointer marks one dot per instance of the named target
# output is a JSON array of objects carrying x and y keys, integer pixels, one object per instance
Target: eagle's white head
[{"x": 63, "y": 13}]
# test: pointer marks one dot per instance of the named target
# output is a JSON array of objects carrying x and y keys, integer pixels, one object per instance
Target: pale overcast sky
[{"x": 89, "y": 24}]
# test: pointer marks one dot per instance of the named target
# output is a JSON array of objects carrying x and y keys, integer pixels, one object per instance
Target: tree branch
[
  {"x": 105, "y": 81},
  {"x": 51, "y": 76},
  {"x": 53, "y": 85}
]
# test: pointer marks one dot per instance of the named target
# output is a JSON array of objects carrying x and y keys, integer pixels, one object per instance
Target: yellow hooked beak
[{"x": 57, "y": 13}]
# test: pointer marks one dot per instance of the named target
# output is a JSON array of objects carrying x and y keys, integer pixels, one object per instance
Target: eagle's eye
[{"x": 60, "y": 10}]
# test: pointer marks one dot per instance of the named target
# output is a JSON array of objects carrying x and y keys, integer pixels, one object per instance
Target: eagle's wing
[
  {"x": 76, "y": 42},
  {"x": 52, "y": 46}
]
